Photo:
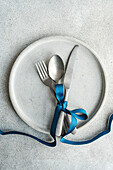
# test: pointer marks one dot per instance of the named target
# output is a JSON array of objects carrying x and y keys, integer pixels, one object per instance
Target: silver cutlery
[
  {"x": 56, "y": 68},
  {"x": 67, "y": 82},
  {"x": 54, "y": 73},
  {"x": 42, "y": 71}
]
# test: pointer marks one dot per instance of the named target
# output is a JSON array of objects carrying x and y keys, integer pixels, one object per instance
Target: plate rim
[{"x": 28, "y": 49}]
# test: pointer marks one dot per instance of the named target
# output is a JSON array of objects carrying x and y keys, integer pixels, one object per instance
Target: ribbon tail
[
  {"x": 71, "y": 128},
  {"x": 72, "y": 125},
  {"x": 63, "y": 140},
  {"x": 53, "y": 126},
  {"x": 52, "y": 131},
  {"x": 51, "y": 144}
]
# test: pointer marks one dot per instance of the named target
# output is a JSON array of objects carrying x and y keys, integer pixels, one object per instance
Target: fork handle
[{"x": 61, "y": 118}]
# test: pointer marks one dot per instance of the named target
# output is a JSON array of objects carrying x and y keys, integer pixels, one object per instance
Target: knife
[{"x": 67, "y": 82}]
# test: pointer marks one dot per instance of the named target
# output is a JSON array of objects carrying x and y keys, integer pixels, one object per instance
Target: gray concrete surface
[{"x": 23, "y": 22}]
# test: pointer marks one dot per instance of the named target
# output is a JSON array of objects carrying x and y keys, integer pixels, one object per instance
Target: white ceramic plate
[{"x": 34, "y": 102}]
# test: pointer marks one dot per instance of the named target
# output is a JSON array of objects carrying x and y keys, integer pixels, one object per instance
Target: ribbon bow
[{"x": 62, "y": 106}]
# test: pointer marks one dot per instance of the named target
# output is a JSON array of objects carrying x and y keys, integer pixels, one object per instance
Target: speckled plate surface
[{"x": 34, "y": 102}]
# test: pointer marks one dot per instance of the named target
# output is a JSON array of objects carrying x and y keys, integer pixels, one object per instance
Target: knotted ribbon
[{"x": 62, "y": 106}]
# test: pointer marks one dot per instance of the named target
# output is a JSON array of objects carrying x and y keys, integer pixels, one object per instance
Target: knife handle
[
  {"x": 68, "y": 117},
  {"x": 61, "y": 118}
]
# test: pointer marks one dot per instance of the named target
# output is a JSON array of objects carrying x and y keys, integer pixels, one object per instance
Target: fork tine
[
  {"x": 44, "y": 65},
  {"x": 39, "y": 72},
  {"x": 44, "y": 68},
  {"x": 41, "y": 69}
]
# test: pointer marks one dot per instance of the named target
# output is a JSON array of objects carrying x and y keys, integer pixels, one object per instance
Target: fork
[
  {"x": 43, "y": 74},
  {"x": 42, "y": 71}
]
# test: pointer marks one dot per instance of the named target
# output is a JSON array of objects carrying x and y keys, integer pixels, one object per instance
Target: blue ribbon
[{"x": 62, "y": 106}]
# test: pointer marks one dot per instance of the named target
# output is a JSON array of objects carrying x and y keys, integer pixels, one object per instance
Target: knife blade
[
  {"x": 67, "y": 82},
  {"x": 70, "y": 67}
]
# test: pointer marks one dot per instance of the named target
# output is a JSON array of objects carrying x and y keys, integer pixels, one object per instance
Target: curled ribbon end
[{"x": 1, "y": 132}]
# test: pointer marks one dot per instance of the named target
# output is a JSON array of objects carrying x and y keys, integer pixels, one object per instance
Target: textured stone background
[{"x": 23, "y": 22}]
